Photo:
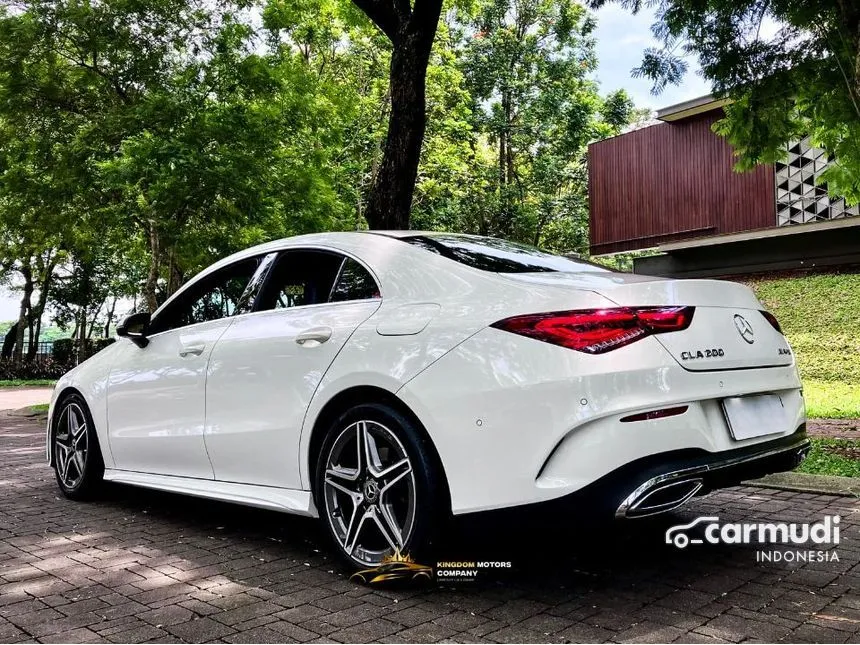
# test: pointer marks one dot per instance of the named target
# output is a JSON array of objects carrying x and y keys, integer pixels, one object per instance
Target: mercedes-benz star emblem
[{"x": 744, "y": 329}]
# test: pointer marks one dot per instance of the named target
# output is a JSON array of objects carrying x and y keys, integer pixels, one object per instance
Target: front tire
[
  {"x": 78, "y": 463},
  {"x": 377, "y": 488}
]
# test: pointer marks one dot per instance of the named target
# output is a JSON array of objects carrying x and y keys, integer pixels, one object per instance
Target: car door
[
  {"x": 156, "y": 394},
  {"x": 267, "y": 365}
]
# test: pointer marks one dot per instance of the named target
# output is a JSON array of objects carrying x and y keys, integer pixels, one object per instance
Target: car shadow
[{"x": 545, "y": 551}]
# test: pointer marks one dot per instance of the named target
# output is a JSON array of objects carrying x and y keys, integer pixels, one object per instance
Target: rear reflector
[
  {"x": 772, "y": 320},
  {"x": 596, "y": 331},
  {"x": 655, "y": 414}
]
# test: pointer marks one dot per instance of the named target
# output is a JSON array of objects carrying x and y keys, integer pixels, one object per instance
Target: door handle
[
  {"x": 195, "y": 349},
  {"x": 314, "y": 337}
]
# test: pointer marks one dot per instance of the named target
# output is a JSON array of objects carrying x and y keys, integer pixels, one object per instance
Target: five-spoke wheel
[
  {"x": 76, "y": 455},
  {"x": 70, "y": 445},
  {"x": 374, "y": 485}
]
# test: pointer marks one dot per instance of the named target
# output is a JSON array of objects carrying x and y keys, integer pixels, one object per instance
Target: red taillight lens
[
  {"x": 595, "y": 331},
  {"x": 772, "y": 320}
]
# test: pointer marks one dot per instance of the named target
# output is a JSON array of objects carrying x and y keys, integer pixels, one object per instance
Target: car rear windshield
[{"x": 498, "y": 256}]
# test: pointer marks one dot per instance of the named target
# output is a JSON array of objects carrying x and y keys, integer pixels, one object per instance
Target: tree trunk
[
  {"x": 110, "y": 314},
  {"x": 9, "y": 341},
  {"x": 175, "y": 278},
  {"x": 152, "y": 278},
  {"x": 82, "y": 335},
  {"x": 39, "y": 311},
  {"x": 24, "y": 313},
  {"x": 412, "y": 38}
]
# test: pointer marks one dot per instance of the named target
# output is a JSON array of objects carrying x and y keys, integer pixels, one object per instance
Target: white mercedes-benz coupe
[{"x": 386, "y": 380}]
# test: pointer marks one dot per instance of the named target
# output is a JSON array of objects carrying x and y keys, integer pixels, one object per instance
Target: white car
[{"x": 383, "y": 381}]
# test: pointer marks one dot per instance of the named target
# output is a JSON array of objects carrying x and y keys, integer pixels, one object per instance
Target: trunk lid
[{"x": 728, "y": 330}]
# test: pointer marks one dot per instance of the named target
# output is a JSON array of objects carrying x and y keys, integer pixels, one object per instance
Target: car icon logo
[
  {"x": 744, "y": 328},
  {"x": 676, "y": 534}
]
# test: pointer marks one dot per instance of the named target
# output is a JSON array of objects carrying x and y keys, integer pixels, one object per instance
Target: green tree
[
  {"x": 528, "y": 65},
  {"x": 803, "y": 79},
  {"x": 179, "y": 132}
]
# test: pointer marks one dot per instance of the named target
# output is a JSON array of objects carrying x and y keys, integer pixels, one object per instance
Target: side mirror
[{"x": 134, "y": 327}]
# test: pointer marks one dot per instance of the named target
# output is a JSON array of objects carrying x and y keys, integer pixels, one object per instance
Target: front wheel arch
[
  {"x": 353, "y": 396},
  {"x": 64, "y": 394}
]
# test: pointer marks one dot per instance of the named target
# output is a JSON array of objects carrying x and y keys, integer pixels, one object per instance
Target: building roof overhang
[
  {"x": 759, "y": 234},
  {"x": 819, "y": 245},
  {"x": 690, "y": 108}
]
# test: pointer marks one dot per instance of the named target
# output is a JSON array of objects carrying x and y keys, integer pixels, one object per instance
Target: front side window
[
  {"x": 311, "y": 277},
  {"x": 216, "y": 296},
  {"x": 496, "y": 255}
]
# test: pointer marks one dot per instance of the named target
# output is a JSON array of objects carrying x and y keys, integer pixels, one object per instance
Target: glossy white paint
[
  {"x": 157, "y": 401},
  {"x": 260, "y": 383},
  {"x": 513, "y": 419}
]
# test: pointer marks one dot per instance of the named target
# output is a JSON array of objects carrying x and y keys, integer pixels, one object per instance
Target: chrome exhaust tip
[{"x": 658, "y": 497}]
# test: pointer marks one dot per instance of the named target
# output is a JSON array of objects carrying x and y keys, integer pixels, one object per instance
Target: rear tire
[
  {"x": 77, "y": 456},
  {"x": 377, "y": 487}
]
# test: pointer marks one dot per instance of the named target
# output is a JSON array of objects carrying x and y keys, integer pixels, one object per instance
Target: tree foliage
[
  {"x": 791, "y": 68},
  {"x": 140, "y": 141}
]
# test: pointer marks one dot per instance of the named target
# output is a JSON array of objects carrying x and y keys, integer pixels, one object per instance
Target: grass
[
  {"x": 820, "y": 315},
  {"x": 823, "y": 461},
  {"x": 39, "y": 408},
  {"x": 39, "y": 382},
  {"x": 831, "y": 399}
]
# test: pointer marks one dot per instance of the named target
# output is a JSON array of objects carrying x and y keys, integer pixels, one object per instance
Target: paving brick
[
  {"x": 371, "y": 630},
  {"x": 200, "y": 630},
  {"x": 140, "y": 566}
]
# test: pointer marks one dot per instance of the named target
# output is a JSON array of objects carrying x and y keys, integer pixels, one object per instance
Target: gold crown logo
[{"x": 397, "y": 557}]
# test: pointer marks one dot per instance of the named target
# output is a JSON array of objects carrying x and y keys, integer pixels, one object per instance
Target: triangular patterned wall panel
[{"x": 799, "y": 199}]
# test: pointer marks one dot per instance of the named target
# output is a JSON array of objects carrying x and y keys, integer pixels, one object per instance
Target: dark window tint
[
  {"x": 301, "y": 277},
  {"x": 354, "y": 283},
  {"x": 218, "y": 295},
  {"x": 499, "y": 256}
]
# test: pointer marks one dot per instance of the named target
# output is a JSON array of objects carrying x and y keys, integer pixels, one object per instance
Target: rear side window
[
  {"x": 354, "y": 283},
  {"x": 311, "y": 277},
  {"x": 498, "y": 256}
]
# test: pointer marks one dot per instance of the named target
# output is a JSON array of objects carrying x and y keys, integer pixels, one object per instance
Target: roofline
[{"x": 690, "y": 108}]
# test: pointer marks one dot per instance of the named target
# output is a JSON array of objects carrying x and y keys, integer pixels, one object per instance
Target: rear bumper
[
  {"x": 539, "y": 422},
  {"x": 662, "y": 482},
  {"x": 667, "y": 481}
]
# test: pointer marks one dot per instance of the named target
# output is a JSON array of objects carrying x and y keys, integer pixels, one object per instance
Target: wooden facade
[{"x": 672, "y": 181}]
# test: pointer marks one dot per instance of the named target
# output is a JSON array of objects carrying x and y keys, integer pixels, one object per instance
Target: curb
[{"x": 806, "y": 483}]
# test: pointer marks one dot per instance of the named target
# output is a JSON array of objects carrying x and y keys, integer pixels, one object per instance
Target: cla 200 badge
[{"x": 716, "y": 352}]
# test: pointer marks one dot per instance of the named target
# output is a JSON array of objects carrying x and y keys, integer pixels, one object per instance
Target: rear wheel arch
[{"x": 343, "y": 401}]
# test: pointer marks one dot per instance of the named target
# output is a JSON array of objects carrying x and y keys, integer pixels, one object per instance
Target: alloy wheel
[
  {"x": 369, "y": 492},
  {"x": 71, "y": 445}
]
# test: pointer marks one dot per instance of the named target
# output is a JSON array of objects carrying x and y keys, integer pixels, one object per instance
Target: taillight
[
  {"x": 772, "y": 320},
  {"x": 595, "y": 331}
]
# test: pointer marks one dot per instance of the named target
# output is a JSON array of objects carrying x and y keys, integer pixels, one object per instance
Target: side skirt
[{"x": 285, "y": 500}]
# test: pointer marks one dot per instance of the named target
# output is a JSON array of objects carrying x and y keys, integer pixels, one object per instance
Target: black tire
[
  {"x": 427, "y": 484},
  {"x": 78, "y": 464}
]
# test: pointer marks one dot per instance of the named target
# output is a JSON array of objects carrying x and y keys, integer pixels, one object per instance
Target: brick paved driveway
[{"x": 139, "y": 566}]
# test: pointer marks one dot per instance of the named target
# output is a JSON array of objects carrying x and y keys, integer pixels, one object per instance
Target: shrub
[
  {"x": 47, "y": 368},
  {"x": 63, "y": 350}
]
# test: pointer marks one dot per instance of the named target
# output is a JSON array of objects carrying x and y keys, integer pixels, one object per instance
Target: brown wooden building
[{"x": 672, "y": 186}]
